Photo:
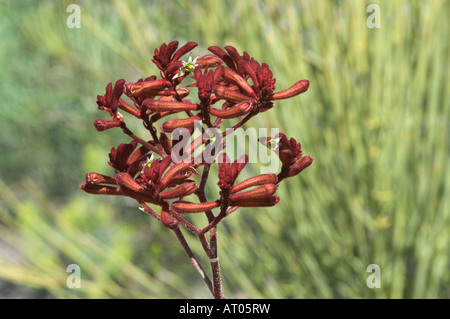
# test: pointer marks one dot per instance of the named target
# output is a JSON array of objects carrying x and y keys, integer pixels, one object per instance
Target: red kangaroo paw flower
[
  {"x": 297, "y": 88},
  {"x": 299, "y": 166},
  {"x": 239, "y": 109},
  {"x": 251, "y": 202},
  {"x": 172, "y": 106},
  {"x": 167, "y": 220},
  {"x": 260, "y": 193},
  {"x": 188, "y": 207},
  {"x": 255, "y": 181},
  {"x": 179, "y": 191},
  {"x": 171, "y": 125}
]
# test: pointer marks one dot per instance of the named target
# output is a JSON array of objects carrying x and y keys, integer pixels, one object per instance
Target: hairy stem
[
  {"x": 212, "y": 251},
  {"x": 193, "y": 259}
]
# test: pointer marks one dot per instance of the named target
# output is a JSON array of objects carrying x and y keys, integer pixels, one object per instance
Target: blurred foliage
[{"x": 375, "y": 118}]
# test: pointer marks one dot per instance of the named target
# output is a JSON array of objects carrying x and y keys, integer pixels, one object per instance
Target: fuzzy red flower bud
[
  {"x": 208, "y": 61},
  {"x": 172, "y": 106},
  {"x": 300, "y": 165},
  {"x": 100, "y": 189},
  {"x": 145, "y": 87},
  {"x": 240, "y": 81},
  {"x": 297, "y": 88},
  {"x": 130, "y": 187},
  {"x": 128, "y": 108},
  {"x": 174, "y": 172},
  {"x": 183, "y": 50},
  {"x": 260, "y": 193},
  {"x": 102, "y": 125},
  {"x": 167, "y": 220},
  {"x": 263, "y": 202},
  {"x": 179, "y": 191},
  {"x": 183, "y": 207},
  {"x": 255, "y": 181},
  {"x": 95, "y": 178},
  {"x": 170, "y": 125},
  {"x": 229, "y": 94},
  {"x": 237, "y": 110}
]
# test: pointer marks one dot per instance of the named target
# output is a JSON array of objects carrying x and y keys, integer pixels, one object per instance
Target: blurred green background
[{"x": 375, "y": 118}]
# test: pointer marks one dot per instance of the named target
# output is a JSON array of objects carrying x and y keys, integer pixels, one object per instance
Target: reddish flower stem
[
  {"x": 158, "y": 150},
  {"x": 212, "y": 252},
  {"x": 193, "y": 259}
]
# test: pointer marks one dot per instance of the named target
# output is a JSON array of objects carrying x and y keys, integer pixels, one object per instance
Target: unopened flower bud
[
  {"x": 179, "y": 191},
  {"x": 208, "y": 61},
  {"x": 100, "y": 189},
  {"x": 300, "y": 165},
  {"x": 131, "y": 188},
  {"x": 260, "y": 193},
  {"x": 188, "y": 207},
  {"x": 255, "y": 181},
  {"x": 95, "y": 178},
  {"x": 163, "y": 105},
  {"x": 297, "y": 88},
  {"x": 239, "y": 109},
  {"x": 252, "y": 202},
  {"x": 102, "y": 125},
  {"x": 167, "y": 220},
  {"x": 240, "y": 81},
  {"x": 171, "y": 125},
  {"x": 173, "y": 172},
  {"x": 228, "y": 94},
  {"x": 145, "y": 87}
]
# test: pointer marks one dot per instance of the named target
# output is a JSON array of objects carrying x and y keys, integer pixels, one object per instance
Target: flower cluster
[{"x": 231, "y": 87}]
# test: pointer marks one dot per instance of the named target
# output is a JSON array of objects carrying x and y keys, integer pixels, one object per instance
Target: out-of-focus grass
[{"x": 375, "y": 118}]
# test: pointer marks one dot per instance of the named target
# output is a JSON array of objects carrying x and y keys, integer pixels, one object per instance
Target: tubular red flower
[
  {"x": 128, "y": 108},
  {"x": 126, "y": 159},
  {"x": 255, "y": 181},
  {"x": 183, "y": 92},
  {"x": 130, "y": 187},
  {"x": 145, "y": 87},
  {"x": 223, "y": 56},
  {"x": 183, "y": 50},
  {"x": 96, "y": 178},
  {"x": 239, "y": 109},
  {"x": 172, "y": 106},
  {"x": 170, "y": 125},
  {"x": 173, "y": 172},
  {"x": 102, "y": 125},
  {"x": 297, "y": 88},
  {"x": 109, "y": 101},
  {"x": 180, "y": 191},
  {"x": 208, "y": 61},
  {"x": 300, "y": 165},
  {"x": 100, "y": 189},
  {"x": 240, "y": 81},
  {"x": 167, "y": 220},
  {"x": 251, "y": 202},
  {"x": 222, "y": 92},
  {"x": 183, "y": 207},
  {"x": 260, "y": 193}
]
